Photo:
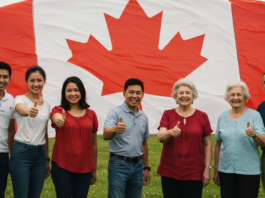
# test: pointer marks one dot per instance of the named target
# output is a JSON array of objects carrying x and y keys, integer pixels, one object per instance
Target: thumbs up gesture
[
  {"x": 60, "y": 119},
  {"x": 249, "y": 131},
  {"x": 176, "y": 130},
  {"x": 120, "y": 127},
  {"x": 33, "y": 111}
]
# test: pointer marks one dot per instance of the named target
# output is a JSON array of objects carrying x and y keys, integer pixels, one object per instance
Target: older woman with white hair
[
  {"x": 236, "y": 158},
  {"x": 185, "y": 132}
]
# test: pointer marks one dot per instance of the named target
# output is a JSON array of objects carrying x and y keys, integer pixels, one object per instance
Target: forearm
[
  {"x": 145, "y": 154},
  {"x": 216, "y": 157},
  {"x": 11, "y": 135},
  {"x": 46, "y": 145},
  {"x": 23, "y": 111},
  {"x": 260, "y": 140},
  {"x": 95, "y": 155},
  {"x": 208, "y": 155},
  {"x": 164, "y": 136},
  {"x": 109, "y": 133}
]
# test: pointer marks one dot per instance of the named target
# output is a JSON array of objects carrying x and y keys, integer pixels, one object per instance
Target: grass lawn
[{"x": 100, "y": 189}]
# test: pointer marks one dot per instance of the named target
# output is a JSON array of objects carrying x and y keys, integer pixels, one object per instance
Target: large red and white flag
[{"x": 105, "y": 42}]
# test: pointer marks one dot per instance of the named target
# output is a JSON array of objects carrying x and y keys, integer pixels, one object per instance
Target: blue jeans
[
  {"x": 27, "y": 169},
  {"x": 125, "y": 178},
  {"x": 4, "y": 161},
  {"x": 68, "y": 184}
]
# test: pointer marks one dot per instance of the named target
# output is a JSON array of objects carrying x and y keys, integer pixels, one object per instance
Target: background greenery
[{"x": 100, "y": 189}]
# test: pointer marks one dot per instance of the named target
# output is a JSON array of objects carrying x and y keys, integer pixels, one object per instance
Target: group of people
[{"x": 185, "y": 132}]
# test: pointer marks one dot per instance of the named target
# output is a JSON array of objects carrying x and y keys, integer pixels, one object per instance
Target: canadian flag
[{"x": 105, "y": 42}]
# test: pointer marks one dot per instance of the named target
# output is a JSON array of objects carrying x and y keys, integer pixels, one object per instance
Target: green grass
[{"x": 100, "y": 189}]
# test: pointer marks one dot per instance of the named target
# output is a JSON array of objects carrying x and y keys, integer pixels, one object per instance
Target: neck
[
  {"x": 184, "y": 109},
  {"x": 75, "y": 106},
  {"x": 32, "y": 95},
  {"x": 133, "y": 109},
  {"x": 239, "y": 109},
  {"x": 2, "y": 93}
]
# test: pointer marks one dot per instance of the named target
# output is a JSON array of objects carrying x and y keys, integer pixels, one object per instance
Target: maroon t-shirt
[
  {"x": 73, "y": 148},
  {"x": 183, "y": 156}
]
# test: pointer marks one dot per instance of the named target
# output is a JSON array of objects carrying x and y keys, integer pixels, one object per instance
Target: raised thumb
[
  {"x": 63, "y": 113},
  {"x": 178, "y": 124},
  {"x": 120, "y": 119},
  {"x": 248, "y": 124},
  {"x": 35, "y": 103}
]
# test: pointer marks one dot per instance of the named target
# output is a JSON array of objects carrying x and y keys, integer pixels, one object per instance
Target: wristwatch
[
  {"x": 208, "y": 167},
  {"x": 148, "y": 168},
  {"x": 255, "y": 135}
]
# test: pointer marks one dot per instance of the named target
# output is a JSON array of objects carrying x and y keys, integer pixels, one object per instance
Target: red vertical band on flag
[
  {"x": 17, "y": 43},
  {"x": 249, "y": 25}
]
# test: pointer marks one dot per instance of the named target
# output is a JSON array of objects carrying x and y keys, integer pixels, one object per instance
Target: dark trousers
[
  {"x": 4, "y": 163},
  {"x": 239, "y": 186},
  {"x": 27, "y": 169},
  {"x": 68, "y": 184},
  {"x": 173, "y": 188}
]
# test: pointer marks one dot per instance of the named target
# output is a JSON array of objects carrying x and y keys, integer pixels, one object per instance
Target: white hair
[
  {"x": 184, "y": 82},
  {"x": 237, "y": 84}
]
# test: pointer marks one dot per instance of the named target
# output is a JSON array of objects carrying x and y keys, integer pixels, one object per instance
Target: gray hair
[
  {"x": 237, "y": 84},
  {"x": 184, "y": 82}
]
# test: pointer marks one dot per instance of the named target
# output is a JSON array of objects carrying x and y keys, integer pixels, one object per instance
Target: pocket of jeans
[
  {"x": 19, "y": 149},
  {"x": 115, "y": 162}
]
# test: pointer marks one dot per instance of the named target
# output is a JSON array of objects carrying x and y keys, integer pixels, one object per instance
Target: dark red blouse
[
  {"x": 183, "y": 156},
  {"x": 73, "y": 148}
]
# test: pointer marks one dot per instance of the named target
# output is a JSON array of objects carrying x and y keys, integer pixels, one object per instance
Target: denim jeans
[
  {"x": 125, "y": 178},
  {"x": 27, "y": 169},
  {"x": 4, "y": 161},
  {"x": 68, "y": 184}
]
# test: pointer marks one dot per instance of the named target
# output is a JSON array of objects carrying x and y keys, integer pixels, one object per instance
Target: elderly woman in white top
[{"x": 236, "y": 158}]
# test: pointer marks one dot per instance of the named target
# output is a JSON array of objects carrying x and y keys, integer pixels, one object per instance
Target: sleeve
[
  {"x": 217, "y": 136},
  {"x": 95, "y": 123},
  {"x": 111, "y": 120},
  {"x": 18, "y": 100},
  {"x": 206, "y": 126},
  {"x": 56, "y": 109},
  {"x": 258, "y": 124},
  {"x": 146, "y": 134},
  {"x": 164, "y": 122}
]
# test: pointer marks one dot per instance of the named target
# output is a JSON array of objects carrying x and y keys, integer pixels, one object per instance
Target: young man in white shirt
[{"x": 7, "y": 126}]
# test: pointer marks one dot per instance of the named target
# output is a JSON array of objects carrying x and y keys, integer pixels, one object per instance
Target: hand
[
  {"x": 94, "y": 177},
  {"x": 206, "y": 176},
  {"x": 47, "y": 170},
  {"x": 216, "y": 178},
  {"x": 33, "y": 111},
  {"x": 60, "y": 119},
  {"x": 146, "y": 177},
  {"x": 249, "y": 131},
  {"x": 120, "y": 127},
  {"x": 176, "y": 130}
]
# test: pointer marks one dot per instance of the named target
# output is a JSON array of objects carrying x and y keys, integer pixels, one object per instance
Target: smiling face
[
  {"x": 35, "y": 82},
  {"x": 184, "y": 96},
  {"x": 133, "y": 96},
  {"x": 236, "y": 97},
  {"x": 4, "y": 79},
  {"x": 72, "y": 93}
]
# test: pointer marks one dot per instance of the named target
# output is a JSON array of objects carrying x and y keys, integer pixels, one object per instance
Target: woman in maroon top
[
  {"x": 185, "y": 132},
  {"x": 75, "y": 150}
]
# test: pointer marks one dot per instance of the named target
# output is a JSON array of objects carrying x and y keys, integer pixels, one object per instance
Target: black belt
[{"x": 129, "y": 159}]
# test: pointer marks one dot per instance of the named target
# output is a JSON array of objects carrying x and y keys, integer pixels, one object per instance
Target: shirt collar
[
  {"x": 126, "y": 109},
  {"x": 5, "y": 96}
]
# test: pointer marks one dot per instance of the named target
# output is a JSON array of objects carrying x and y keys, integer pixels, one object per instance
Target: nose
[{"x": 1, "y": 79}]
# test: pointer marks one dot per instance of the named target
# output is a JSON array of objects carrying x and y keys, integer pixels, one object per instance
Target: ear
[{"x": 124, "y": 94}]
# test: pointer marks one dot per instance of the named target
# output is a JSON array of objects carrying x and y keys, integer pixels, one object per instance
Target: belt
[{"x": 129, "y": 159}]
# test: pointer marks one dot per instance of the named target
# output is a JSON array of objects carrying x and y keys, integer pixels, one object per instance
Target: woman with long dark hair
[
  {"x": 27, "y": 162},
  {"x": 74, "y": 157}
]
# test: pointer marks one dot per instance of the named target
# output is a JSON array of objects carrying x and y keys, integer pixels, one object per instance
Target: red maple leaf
[{"x": 135, "y": 54}]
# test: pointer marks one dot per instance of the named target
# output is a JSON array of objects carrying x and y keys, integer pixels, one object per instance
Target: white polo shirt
[{"x": 6, "y": 113}]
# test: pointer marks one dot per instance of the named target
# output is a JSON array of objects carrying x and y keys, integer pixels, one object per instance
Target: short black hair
[
  {"x": 82, "y": 103},
  {"x": 133, "y": 81},
  {"x": 34, "y": 69},
  {"x": 5, "y": 66}
]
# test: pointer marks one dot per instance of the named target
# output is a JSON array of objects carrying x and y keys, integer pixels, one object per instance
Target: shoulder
[
  {"x": 20, "y": 98},
  {"x": 261, "y": 106},
  {"x": 117, "y": 109},
  {"x": 170, "y": 111},
  {"x": 90, "y": 112},
  {"x": 253, "y": 112},
  {"x": 57, "y": 109}
]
